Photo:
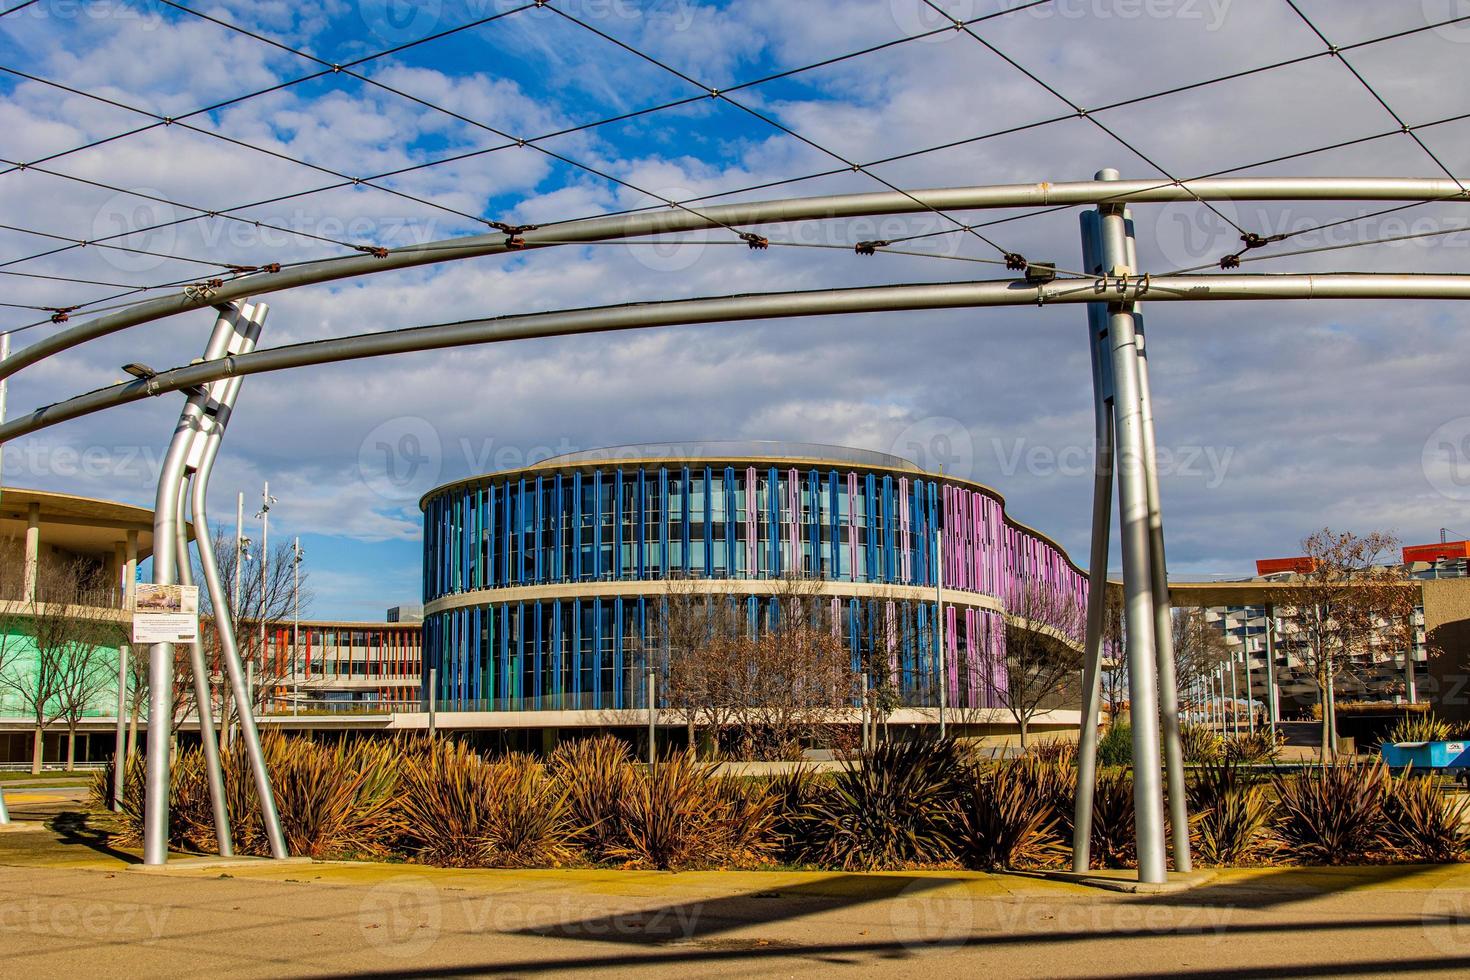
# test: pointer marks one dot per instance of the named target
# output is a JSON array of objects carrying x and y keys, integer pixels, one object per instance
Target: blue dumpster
[{"x": 1426, "y": 755}]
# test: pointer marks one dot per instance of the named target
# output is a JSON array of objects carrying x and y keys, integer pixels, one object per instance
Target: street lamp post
[
  {"x": 297, "y": 555},
  {"x": 264, "y": 516}
]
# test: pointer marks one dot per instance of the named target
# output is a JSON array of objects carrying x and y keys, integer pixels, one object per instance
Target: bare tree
[
  {"x": 1042, "y": 660},
  {"x": 268, "y": 600},
  {"x": 1114, "y": 666},
  {"x": 59, "y": 676},
  {"x": 697, "y": 626},
  {"x": 1353, "y": 606},
  {"x": 786, "y": 683},
  {"x": 1199, "y": 649},
  {"x": 761, "y": 691},
  {"x": 87, "y": 671}
]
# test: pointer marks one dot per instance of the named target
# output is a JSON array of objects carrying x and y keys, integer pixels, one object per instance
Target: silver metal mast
[
  {"x": 203, "y": 690},
  {"x": 165, "y": 572},
  {"x": 1097, "y": 565},
  {"x": 225, "y": 621},
  {"x": 1133, "y": 512},
  {"x": 1159, "y": 580}
]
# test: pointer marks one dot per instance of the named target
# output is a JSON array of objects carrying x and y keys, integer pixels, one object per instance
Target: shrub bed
[{"x": 903, "y": 805}]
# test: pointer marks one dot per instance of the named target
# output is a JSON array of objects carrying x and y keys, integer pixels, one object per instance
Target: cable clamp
[
  {"x": 511, "y": 229},
  {"x": 376, "y": 251},
  {"x": 870, "y": 248},
  {"x": 168, "y": 120},
  {"x": 271, "y": 267},
  {"x": 1251, "y": 240},
  {"x": 714, "y": 93},
  {"x": 1015, "y": 261},
  {"x": 514, "y": 243},
  {"x": 754, "y": 241},
  {"x": 241, "y": 270},
  {"x": 60, "y": 314}
]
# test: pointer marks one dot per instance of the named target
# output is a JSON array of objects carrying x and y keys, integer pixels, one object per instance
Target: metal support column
[
  {"x": 1133, "y": 511},
  {"x": 225, "y": 607},
  {"x": 119, "y": 752},
  {"x": 1159, "y": 581},
  {"x": 652, "y": 716},
  {"x": 1234, "y": 699},
  {"x": 165, "y": 572},
  {"x": 1273, "y": 700},
  {"x": 203, "y": 690},
  {"x": 1097, "y": 569}
]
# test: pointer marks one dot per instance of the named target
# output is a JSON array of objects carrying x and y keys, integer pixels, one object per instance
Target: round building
[{"x": 544, "y": 586}]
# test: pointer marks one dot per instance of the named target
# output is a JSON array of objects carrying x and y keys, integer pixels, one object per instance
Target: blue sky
[{"x": 1274, "y": 420}]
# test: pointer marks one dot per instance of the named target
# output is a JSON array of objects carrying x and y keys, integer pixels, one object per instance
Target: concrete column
[
  {"x": 33, "y": 550},
  {"x": 130, "y": 568}
]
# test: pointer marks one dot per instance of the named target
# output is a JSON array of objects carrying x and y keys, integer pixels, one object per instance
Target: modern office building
[
  {"x": 1256, "y": 617},
  {"x": 543, "y": 586}
]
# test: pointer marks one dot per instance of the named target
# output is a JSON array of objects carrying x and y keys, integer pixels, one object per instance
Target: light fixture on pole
[
  {"x": 264, "y": 516},
  {"x": 297, "y": 555}
]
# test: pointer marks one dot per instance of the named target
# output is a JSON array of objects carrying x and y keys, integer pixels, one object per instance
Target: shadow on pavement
[{"x": 74, "y": 829}]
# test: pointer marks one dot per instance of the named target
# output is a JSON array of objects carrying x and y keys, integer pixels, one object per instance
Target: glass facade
[{"x": 608, "y": 522}]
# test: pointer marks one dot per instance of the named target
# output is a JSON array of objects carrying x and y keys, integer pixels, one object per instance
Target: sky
[{"x": 1273, "y": 420}]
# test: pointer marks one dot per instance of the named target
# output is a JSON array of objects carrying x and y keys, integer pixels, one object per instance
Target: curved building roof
[
  {"x": 801, "y": 455},
  {"x": 81, "y": 525}
]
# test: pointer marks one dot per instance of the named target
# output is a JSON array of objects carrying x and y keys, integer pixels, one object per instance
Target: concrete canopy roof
[{"x": 82, "y": 525}]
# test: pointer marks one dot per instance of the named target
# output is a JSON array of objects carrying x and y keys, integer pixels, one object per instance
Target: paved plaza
[{"x": 69, "y": 905}]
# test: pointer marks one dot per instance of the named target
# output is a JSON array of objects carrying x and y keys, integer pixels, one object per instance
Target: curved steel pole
[
  {"x": 665, "y": 221},
  {"x": 165, "y": 572},
  {"x": 203, "y": 698},
  {"x": 757, "y": 306},
  {"x": 219, "y": 601}
]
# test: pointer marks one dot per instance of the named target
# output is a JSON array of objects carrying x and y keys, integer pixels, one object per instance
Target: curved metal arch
[
  {"x": 612, "y": 228},
  {"x": 756, "y": 306}
]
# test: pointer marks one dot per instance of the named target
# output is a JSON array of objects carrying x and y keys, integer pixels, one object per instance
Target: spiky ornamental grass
[
  {"x": 1334, "y": 815},
  {"x": 596, "y": 774},
  {"x": 1424, "y": 822},
  {"x": 1008, "y": 818},
  {"x": 894, "y": 807},
  {"x": 1232, "y": 816},
  {"x": 679, "y": 814}
]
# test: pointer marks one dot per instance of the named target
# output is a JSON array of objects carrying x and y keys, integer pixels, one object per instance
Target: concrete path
[{"x": 69, "y": 907}]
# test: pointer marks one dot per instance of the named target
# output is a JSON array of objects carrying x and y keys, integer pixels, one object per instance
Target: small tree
[
  {"x": 697, "y": 627},
  {"x": 1199, "y": 649},
  {"x": 1352, "y": 605},
  {"x": 792, "y": 678},
  {"x": 86, "y": 672},
  {"x": 268, "y": 599},
  {"x": 1042, "y": 659},
  {"x": 60, "y": 679},
  {"x": 1114, "y": 664}
]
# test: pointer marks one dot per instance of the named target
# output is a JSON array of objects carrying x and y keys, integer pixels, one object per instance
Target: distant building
[
  {"x": 1255, "y": 616},
  {"x": 406, "y": 614}
]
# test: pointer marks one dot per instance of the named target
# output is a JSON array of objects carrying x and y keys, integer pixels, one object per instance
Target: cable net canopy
[{"x": 159, "y": 147}]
